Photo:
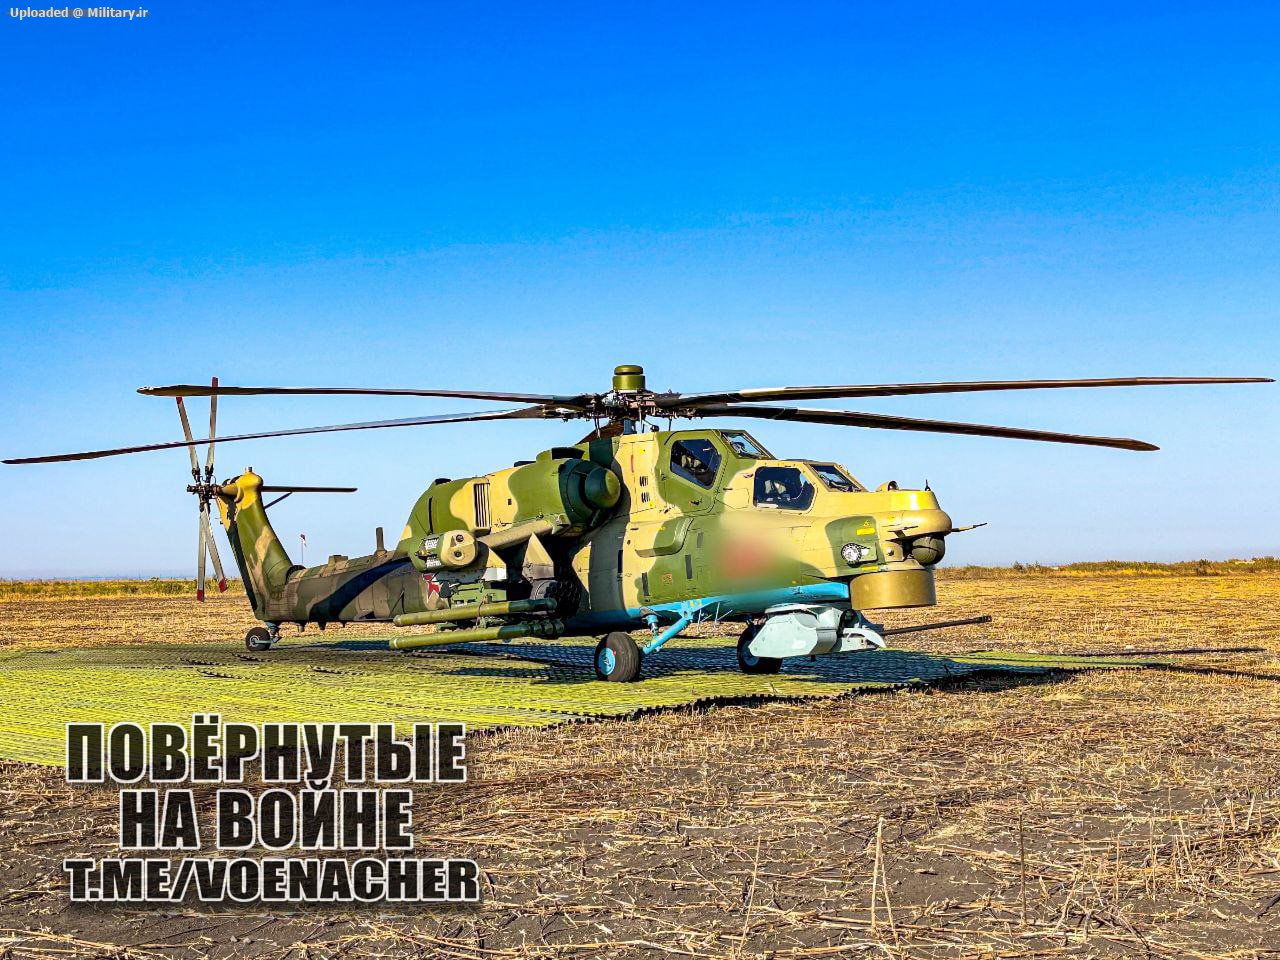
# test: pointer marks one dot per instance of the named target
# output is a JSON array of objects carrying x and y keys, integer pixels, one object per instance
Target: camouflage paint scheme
[
  {"x": 617, "y": 535},
  {"x": 631, "y": 527}
]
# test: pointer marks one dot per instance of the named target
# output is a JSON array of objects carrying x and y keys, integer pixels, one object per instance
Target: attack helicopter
[{"x": 633, "y": 528}]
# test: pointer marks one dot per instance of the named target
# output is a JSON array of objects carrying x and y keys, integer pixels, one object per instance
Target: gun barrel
[
  {"x": 474, "y": 611},
  {"x": 971, "y": 621}
]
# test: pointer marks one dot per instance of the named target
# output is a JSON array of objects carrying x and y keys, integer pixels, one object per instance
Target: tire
[
  {"x": 617, "y": 658},
  {"x": 748, "y": 662},
  {"x": 258, "y": 640}
]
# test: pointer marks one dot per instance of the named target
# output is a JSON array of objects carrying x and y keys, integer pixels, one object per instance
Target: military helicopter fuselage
[
  {"x": 633, "y": 528},
  {"x": 654, "y": 529}
]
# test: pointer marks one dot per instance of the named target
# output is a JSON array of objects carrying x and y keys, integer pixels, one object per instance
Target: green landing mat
[{"x": 482, "y": 685}]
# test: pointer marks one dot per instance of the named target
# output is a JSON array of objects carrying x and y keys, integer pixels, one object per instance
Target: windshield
[
  {"x": 696, "y": 460},
  {"x": 782, "y": 488},
  {"x": 835, "y": 478},
  {"x": 745, "y": 445}
]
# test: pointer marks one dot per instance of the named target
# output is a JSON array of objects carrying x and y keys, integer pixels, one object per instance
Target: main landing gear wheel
[
  {"x": 617, "y": 658},
  {"x": 748, "y": 661},
  {"x": 259, "y": 640}
]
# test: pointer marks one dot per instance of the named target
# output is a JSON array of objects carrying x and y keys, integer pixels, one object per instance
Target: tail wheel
[
  {"x": 258, "y": 640},
  {"x": 617, "y": 658},
  {"x": 748, "y": 662}
]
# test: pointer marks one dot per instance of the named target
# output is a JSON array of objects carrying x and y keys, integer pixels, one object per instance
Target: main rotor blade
[
  {"x": 213, "y": 549},
  {"x": 190, "y": 444},
  {"x": 519, "y": 413},
  {"x": 213, "y": 430},
  {"x": 908, "y": 389},
  {"x": 198, "y": 390},
  {"x": 851, "y": 418},
  {"x": 202, "y": 540}
]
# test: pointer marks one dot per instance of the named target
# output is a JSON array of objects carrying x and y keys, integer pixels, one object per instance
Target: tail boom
[{"x": 376, "y": 587}]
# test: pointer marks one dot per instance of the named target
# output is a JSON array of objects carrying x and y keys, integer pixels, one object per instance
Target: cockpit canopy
[
  {"x": 745, "y": 445},
  {"x": 709, "y": 460}
]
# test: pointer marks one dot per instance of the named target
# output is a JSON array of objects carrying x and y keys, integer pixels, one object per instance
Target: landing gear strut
[{"x": 261, "y": 639}]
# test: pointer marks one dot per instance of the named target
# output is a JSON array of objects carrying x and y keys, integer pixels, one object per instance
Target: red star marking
[{"x": 429, "y": 581}]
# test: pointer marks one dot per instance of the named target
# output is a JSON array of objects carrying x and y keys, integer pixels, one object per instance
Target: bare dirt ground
[{"x": 1111, "y": 813}]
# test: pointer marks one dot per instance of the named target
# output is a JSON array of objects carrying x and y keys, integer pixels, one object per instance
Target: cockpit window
[
  {"x": 835, "y": 478},
  {"x": 783, "y": 488},
  {"x": 695, "y": 460},
  {"x": 745, "y": 445}
]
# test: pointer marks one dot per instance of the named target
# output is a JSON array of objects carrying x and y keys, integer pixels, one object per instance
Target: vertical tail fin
[{"x": 264, "y": 564}]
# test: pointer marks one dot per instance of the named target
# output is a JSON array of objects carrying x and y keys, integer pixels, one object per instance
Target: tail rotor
[{"x": 204, "y": 487}]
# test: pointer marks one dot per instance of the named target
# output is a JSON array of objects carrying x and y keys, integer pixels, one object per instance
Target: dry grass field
[{"x": 1096, "y": 814}]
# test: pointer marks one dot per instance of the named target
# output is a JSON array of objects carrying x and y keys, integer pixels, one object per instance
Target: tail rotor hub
[{"x": 205, "y": 490}]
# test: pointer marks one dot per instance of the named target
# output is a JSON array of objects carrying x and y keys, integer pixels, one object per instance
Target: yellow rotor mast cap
[{"x": 628, "y": 378}]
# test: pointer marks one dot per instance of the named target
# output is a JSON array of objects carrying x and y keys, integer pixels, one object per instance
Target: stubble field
[{"x": 1107, "y": 813}]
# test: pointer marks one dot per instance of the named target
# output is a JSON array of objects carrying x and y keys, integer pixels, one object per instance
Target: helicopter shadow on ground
[
  {"x": 572, "y": 665},
  {"x": 568, "y": 665},
  {"x": 892, "y": 667}
]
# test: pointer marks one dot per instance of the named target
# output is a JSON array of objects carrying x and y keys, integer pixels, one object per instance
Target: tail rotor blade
[
  {"x": 186, "y": 432},
  {"x": 201, "y": 550},
  {"x": 213, "y": 550},
  {"x": 213, "y": 433}
]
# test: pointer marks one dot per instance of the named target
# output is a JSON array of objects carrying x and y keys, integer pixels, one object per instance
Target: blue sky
[{"x": 522, "y": 196}]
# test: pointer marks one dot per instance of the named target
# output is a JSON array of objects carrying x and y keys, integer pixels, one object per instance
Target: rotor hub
[
  {"x": 206, "y": 492},
  {"x": 630, "y": 402}
]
